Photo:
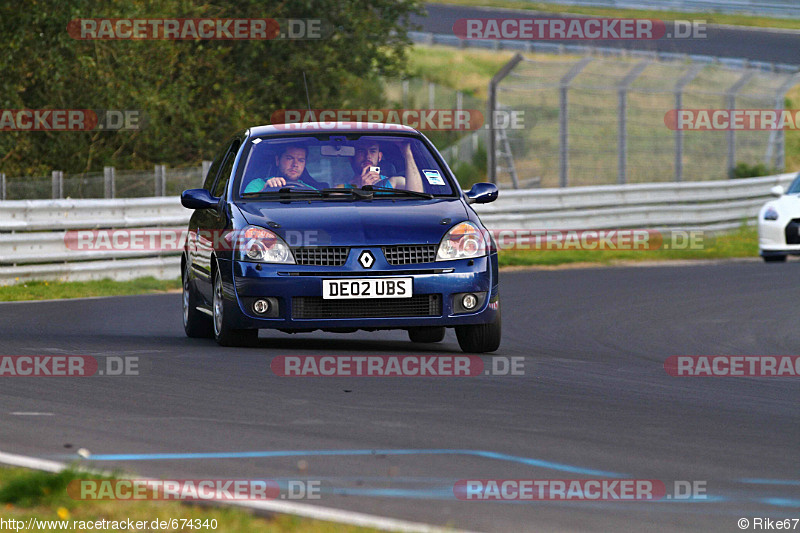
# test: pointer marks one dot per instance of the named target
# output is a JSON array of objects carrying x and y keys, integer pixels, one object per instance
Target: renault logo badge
[{"x": 366, "y": 259}]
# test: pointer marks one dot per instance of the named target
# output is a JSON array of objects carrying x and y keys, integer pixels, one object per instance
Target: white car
[{"x": 779, "y": 224}]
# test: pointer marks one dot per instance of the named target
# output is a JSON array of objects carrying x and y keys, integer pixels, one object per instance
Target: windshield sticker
[
  {"x": 433, "y": 177},
  {"x": 256, "y": 141}
]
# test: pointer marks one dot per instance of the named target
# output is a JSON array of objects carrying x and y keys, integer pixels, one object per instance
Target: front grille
[
  {"x": 317, "y": 307},
  {"x": 792, "y": 232},
  {"x": 321, "y": 255},
  {"x": 410, "y": 254}
]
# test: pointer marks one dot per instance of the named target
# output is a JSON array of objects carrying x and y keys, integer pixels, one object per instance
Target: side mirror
[
  {"x": 198, "y": 199},
  {"x": 777, "y": 191},
  {"x": 482, "y": 193}
]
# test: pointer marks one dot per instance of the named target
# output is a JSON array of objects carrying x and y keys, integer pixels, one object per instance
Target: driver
[{"x": 290, "y": 170}]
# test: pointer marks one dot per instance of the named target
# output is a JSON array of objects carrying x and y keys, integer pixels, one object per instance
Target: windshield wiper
[
  {"x": 399, "y": 192},
  {"x": 290, "y": 193},
  {"x": 283, "y": 191}
]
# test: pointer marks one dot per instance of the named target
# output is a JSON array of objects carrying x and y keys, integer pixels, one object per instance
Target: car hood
[{"x": 357, "y": 223}]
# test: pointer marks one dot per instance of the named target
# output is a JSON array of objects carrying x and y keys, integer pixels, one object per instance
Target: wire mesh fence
[
  {"x": 111, "y": 183},
  {"x": 595, "y": 121}
]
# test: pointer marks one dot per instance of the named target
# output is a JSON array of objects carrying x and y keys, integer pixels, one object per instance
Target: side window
[
  {"x": 214, "y": 168},
  {"x": 227, "y": 168}
]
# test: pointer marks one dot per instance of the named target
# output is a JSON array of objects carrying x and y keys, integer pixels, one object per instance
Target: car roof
[{"x": 374, "y": 128}]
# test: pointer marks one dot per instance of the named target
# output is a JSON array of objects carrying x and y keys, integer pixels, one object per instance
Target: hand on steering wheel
[{"x": 279, "y": 183}]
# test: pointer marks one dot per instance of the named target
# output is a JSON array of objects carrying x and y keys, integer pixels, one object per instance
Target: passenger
[
  {"x": 289, "y": 170},
  {"x": 368, "y": 154}
]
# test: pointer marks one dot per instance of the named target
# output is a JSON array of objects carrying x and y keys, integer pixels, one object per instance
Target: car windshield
[
  {"x": 386, "y": 164},
  {"x": 794, "y": 188}
]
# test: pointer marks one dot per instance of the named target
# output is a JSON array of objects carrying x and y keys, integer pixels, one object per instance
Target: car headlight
[
  {"x": 770, "y": 213},
  {"x": 463, "y": 241},
  {"x": 262, "y": 246}
]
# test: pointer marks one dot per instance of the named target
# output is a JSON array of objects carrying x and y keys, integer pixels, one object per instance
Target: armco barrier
[
  {"x": 715, "y": 205},
  {"x": 33, "y": 244}
]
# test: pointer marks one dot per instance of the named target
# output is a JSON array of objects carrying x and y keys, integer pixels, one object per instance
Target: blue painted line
[
  {"x": 443, "y": 494},
  {"x": 695, "y": 499},
  {"x": 760, "y": 481},
  {"x": 446, "y": 493},
  {"x": 781, "y": 502},
  {"x": 321, "y": 453}
]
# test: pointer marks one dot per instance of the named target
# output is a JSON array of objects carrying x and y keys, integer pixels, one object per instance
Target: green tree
[{"x": 194, "y": 94}]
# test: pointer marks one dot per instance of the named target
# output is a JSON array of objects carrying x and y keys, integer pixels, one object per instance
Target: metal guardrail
[
  {"x": 775, "y": 8},
  {"x": 34, "y": 242},
  {"x": 717, "y": 205},
  {"x": 32, "y": 215}
]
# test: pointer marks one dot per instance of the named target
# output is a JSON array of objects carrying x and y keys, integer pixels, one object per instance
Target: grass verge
[
  {"x": 711, "y": 18},
  {"x": 26, "y": 494},
  {"x": 51, "y": 290},
  {"x": 740, "y": 243}
]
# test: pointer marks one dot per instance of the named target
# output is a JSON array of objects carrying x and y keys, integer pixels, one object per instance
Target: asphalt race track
[
  {"x": 758, "y": 44},
  {"x": 595, "y": 402}
]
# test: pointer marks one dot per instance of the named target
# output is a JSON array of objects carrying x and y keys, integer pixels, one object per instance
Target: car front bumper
[
  {"x": 244, "y": 282},
  {"x": 772, "y": 237}
]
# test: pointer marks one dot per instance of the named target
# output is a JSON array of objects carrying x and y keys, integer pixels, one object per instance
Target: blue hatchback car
[{"x": 338, "y": 227}]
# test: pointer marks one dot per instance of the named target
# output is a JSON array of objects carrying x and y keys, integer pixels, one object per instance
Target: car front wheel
[
  {"x": 223, "y": 333},
  {"x": 480, "y": 338}
]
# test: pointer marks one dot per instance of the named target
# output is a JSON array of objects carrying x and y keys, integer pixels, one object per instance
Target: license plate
[{"x": 338, "y": 289}]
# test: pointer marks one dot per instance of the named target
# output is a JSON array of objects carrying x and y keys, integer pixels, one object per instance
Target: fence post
[
  {"x": 563, "y": 120},
  {"x": 405, "y": 94},
  {"x": 459, "y": 100},
  {"x": 109, "y": 182},
  {"x": 491, "y": 105},
  {"x": 622, "y": 123},
  {"x": 58, "y": 184},
  {"x": 160, "y": 180},
  {"x": 777, "y": 137},
  {"x": 687, "y": 78},
  {"x": 2, "y": 186},
  {"x": 206, "y": 165},
  {"x": 731, "y": 104},
  {"x": 431, "y": 95}
]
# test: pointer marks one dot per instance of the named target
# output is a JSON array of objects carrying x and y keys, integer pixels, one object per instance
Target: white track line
[{"x": 299, "y": 509}]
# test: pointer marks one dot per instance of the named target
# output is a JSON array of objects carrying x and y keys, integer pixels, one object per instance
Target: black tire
[
  {"x": 480, "y": 338},
  {"x": 196, "y": 324},
  {"x": 223, "y": 333},
  {"x": 774, "y": 258},
  {"x": 426, "y": 334}
]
